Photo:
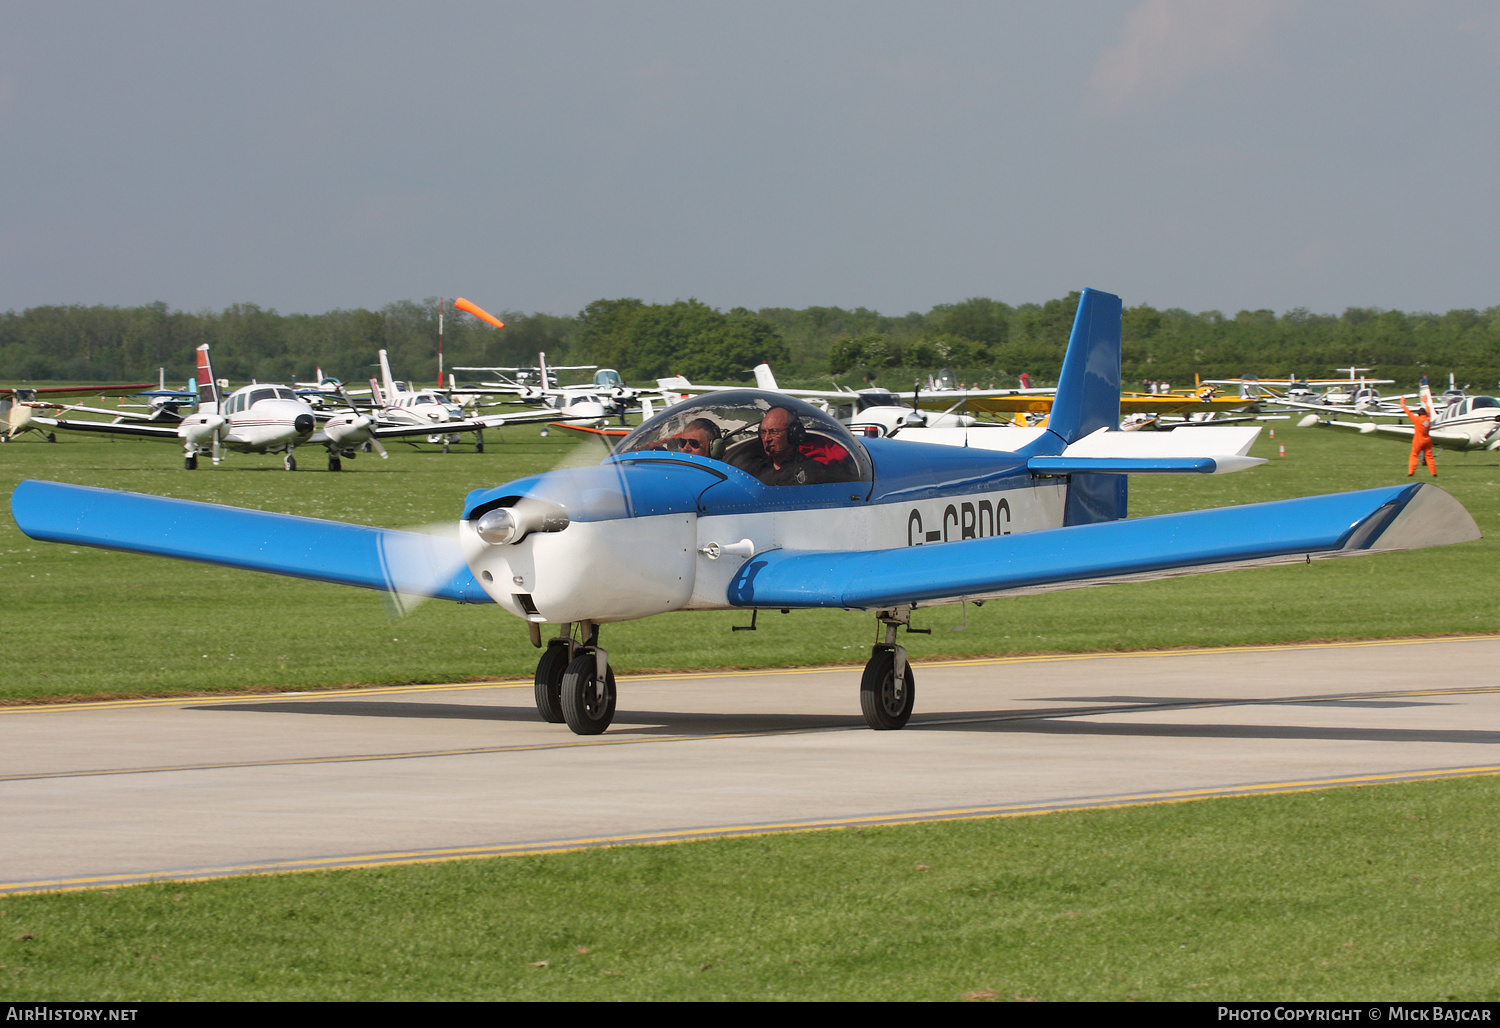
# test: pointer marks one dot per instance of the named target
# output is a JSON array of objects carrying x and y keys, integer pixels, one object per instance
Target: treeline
[{"x": 985, "y": 341}]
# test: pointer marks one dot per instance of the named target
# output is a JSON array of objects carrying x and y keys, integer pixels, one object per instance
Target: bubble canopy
[{"x": 771, "y": 436}]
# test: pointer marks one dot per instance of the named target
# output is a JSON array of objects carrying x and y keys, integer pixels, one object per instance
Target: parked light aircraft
[
  {"x": 866, "y": 412},
  {"x": 262, "y": 418},
  {"x": 1465, "y": 423},
  {"x": 19, "y": 406},
  {"x": 684, "y": 515}
]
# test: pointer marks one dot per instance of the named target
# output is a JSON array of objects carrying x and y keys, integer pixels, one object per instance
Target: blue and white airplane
[{"x": 749, "y": 499}]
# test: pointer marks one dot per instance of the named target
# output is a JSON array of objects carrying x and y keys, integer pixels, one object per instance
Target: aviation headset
[{"x": 714, "y": 433}]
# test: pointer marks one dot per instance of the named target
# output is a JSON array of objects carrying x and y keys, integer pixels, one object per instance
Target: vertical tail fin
[
  {"x": 386, "y": 381},
  {"x": 1088, "y": 399},
  {"x": 208, "y": 389},
  {"x": 1088, "y": 390},
  {"x": 764, "y": 379}
]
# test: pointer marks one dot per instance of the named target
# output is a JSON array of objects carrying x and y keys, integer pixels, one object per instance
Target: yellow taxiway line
[{"x": 445, "y": 855}]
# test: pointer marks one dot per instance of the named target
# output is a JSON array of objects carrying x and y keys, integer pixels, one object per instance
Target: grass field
[
  {"x": 1366, "y": 894},
  {"x": 1381, "y": 892},
  {"x": 85, "y": 622}
]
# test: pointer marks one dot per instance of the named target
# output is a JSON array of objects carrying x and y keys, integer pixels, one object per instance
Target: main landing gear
[
  {"x": 574, "y": 682},
  {"x": 887, "y": 691}
]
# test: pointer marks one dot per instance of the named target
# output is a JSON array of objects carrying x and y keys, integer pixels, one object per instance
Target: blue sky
[{"x": 536, "y": 157}]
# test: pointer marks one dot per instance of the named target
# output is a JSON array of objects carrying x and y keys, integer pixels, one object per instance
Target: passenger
[{"x": 699, "y": 437}]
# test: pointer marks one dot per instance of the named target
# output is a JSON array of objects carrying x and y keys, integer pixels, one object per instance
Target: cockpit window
[
  {"x": 777, "y": 439},
  {"x": 257, "y": 395},
  {"x": 1485, "y": 401}
]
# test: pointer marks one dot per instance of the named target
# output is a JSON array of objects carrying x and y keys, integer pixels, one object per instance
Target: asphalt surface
[{"x": 93, "y": 795}]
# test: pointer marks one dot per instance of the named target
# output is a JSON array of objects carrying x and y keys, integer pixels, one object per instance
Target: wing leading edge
[
  {"x": 405, "y": 563},
  {"x": 1285, "y": 531}
]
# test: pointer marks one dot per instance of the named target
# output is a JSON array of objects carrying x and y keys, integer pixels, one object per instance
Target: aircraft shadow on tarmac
[
  {"x": 1040, "y": 720},
  {"x": 633, "y": 722}
]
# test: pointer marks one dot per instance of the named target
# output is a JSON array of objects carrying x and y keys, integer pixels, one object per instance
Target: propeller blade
[
  {"x": 404, "y": 564},
  {"x": 419, "y": 563},
  {"x": 478, "y": 312}
]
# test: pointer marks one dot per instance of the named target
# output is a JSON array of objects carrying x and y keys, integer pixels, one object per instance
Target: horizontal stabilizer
[
  {"x": 1189, "y": 450},
  {"x": 1286, "y": 531},
  {"x": 405, "y": 563}
]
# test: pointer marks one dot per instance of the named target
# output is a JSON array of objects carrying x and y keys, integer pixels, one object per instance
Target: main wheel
[
  {"x": 51, "y": 437},
  {"x": 884, "y": 707},
  {"x": 479, "y": 446},
  {"x": 548, "y": 684},
  {"x": 289, "y": 462},
  {"x": 587, "y": 706},
  {"x": 190, "y": 463},
  {"x": 334, "y": 464}
]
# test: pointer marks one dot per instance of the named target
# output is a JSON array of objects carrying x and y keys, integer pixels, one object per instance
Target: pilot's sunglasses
[{"x": 694, "y": 444}]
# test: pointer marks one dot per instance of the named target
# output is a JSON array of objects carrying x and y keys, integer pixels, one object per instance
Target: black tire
[
  {"x": 548, "y": 683},
  {"x": 884, "y": 709},
  {"x": 334, "y": 464},
  {"x": 290, "y": 463},
  {"x": 479, "y": 447},
  {"x": 190, "y": 463},
  {"x": 51, "y": 437},
  {"x": 587, "y": 710}
]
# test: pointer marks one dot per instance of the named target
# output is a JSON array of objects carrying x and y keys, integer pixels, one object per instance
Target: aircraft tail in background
[
  {"x": 386, "y": 381},
  {"x": 208, "y": 389}
]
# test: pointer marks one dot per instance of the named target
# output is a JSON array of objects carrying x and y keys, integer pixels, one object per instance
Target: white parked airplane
[
  {"x": 1467, "y": 423},
  {"x": 263, "y": 418}
]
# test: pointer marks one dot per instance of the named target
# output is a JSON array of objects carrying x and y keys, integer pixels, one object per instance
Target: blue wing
[
  {"x": 407, "y": 563},
  {"x": 1286, "y": 531}
]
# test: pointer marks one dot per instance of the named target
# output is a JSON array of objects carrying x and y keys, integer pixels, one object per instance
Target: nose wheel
[
  {"x": 549, "y": 679},
  {"x": 588, "y": 701}
]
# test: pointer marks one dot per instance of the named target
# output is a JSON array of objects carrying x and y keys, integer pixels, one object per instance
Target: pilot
[
  {"x": 699, "y": 436},
  {"x": 780, "y": 461}
]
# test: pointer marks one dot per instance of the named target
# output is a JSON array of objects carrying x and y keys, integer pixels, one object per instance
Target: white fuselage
[
  {"x": 623, "y": 568},
  {"x": 424, "y": 407},
  {"x": 254, "y": 419}
]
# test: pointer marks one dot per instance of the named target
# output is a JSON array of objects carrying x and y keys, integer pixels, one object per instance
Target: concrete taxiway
[{"x": 101, "y": 794}]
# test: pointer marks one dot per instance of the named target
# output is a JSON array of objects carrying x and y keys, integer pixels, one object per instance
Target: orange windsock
[{"x": 478, "y": 312}]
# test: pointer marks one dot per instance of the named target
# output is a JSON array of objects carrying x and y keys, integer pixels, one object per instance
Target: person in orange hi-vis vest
[{"x": 1421, "y": 442}]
